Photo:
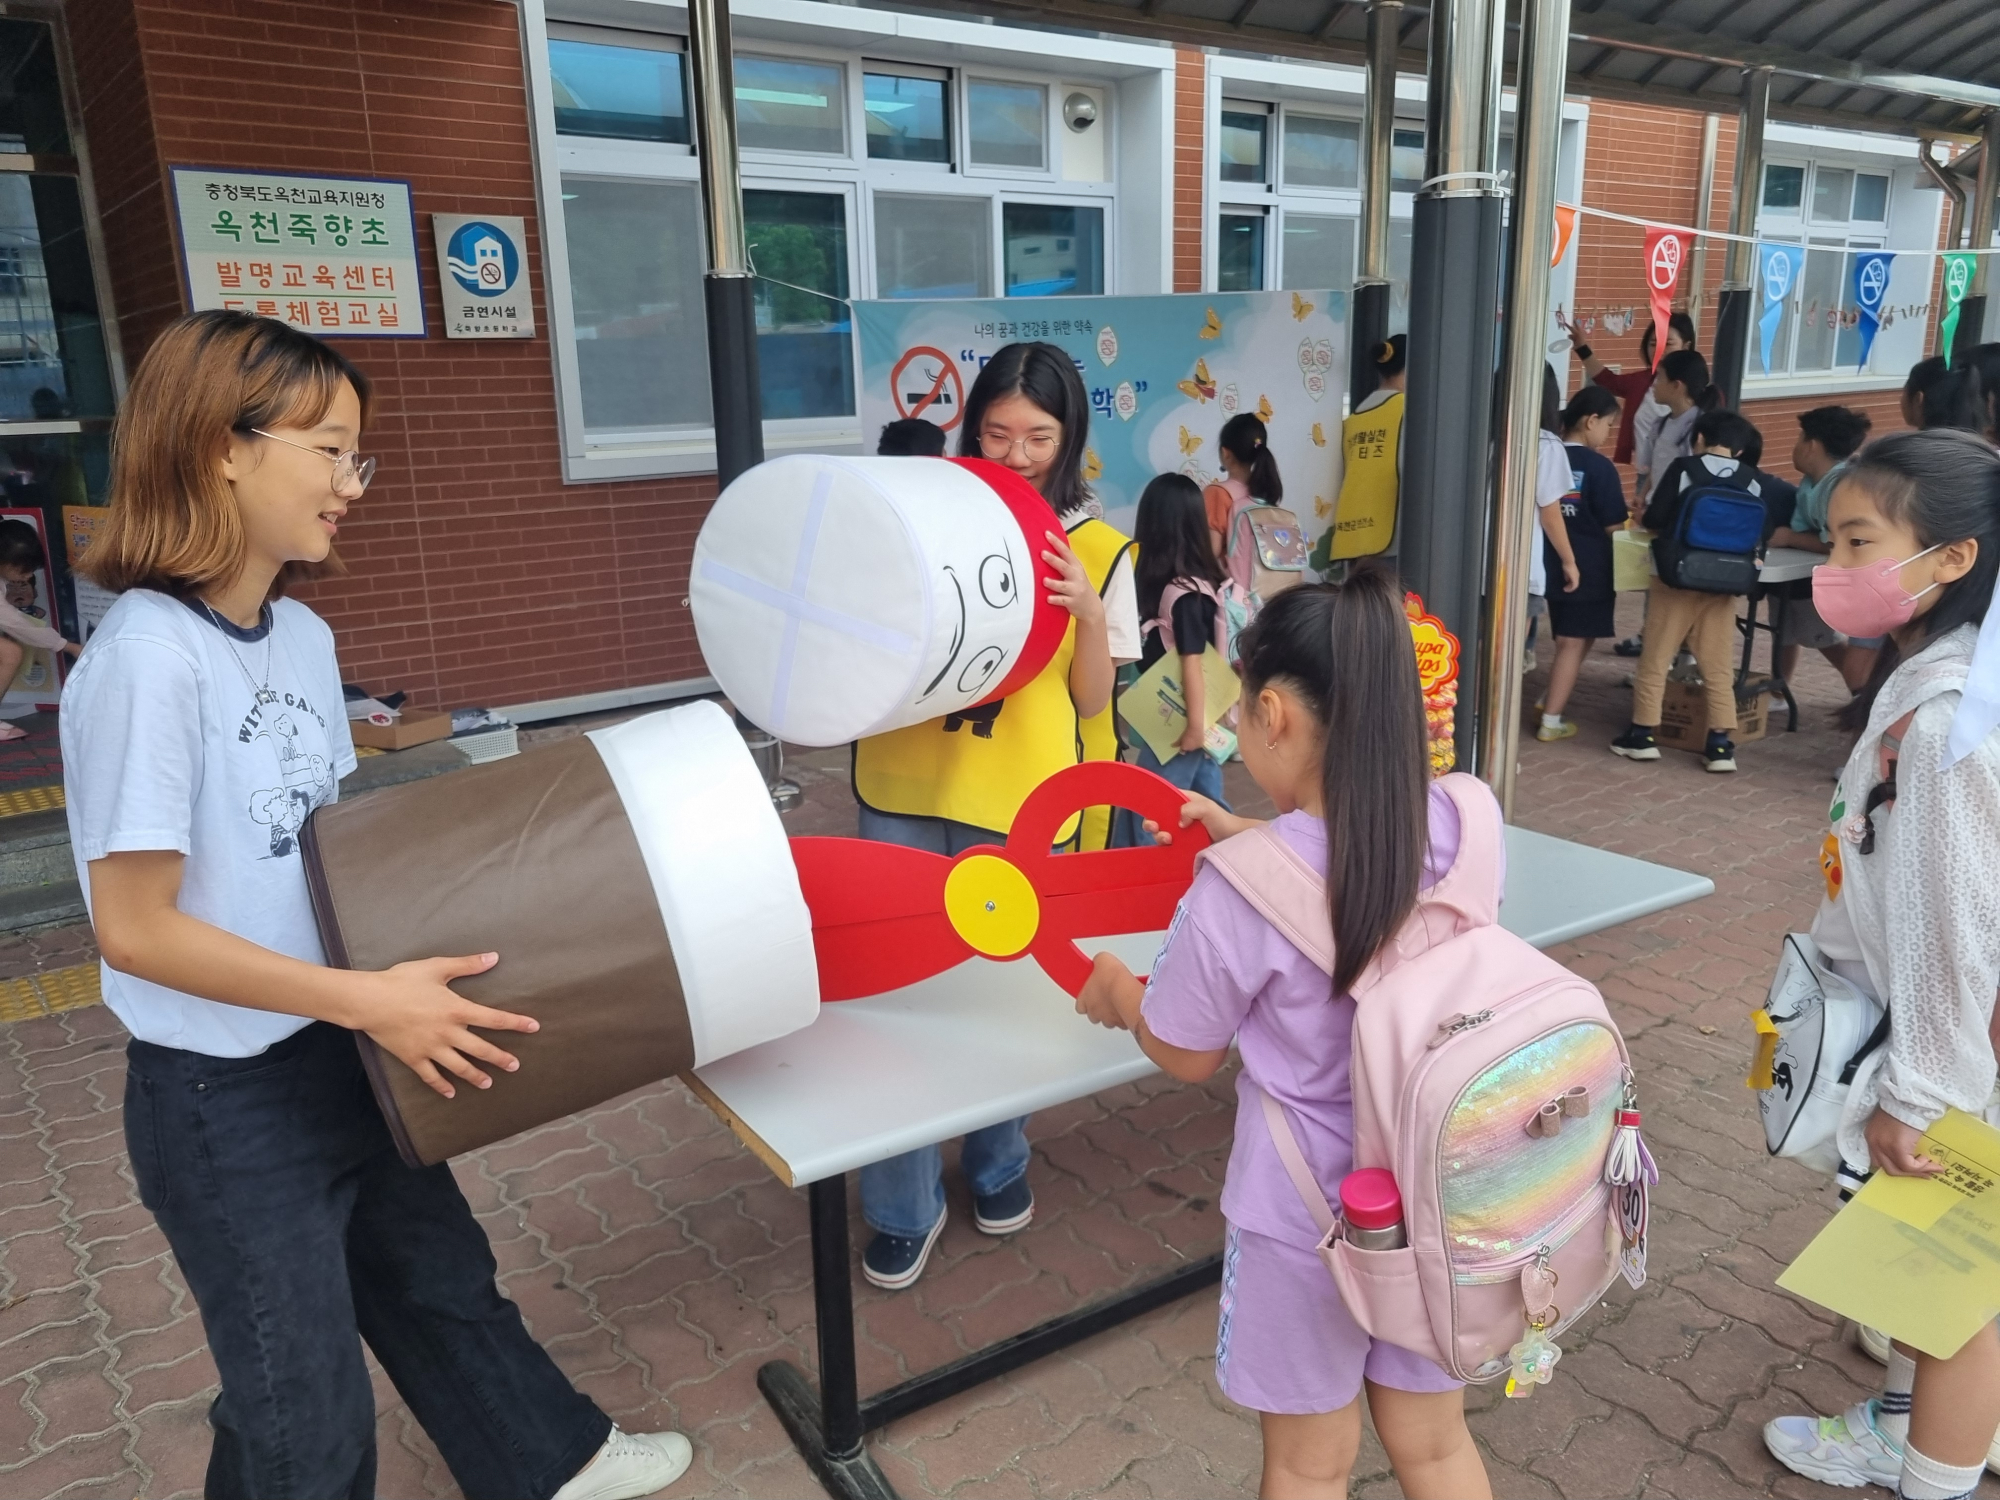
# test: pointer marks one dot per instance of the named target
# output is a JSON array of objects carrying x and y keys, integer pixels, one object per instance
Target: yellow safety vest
[
  {"x": 1364, "y": 517},
  {"x": 1098, "y": 546}
]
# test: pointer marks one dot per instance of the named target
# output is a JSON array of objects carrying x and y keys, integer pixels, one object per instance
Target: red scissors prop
[{"x": 885, "y": 916}]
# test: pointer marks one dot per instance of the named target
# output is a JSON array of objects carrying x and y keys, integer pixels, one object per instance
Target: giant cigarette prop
[{"x": 836, "y": 598}]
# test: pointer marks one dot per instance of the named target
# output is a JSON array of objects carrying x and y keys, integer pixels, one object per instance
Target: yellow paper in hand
[
  {"x": 1156, "y": 705},
  {"x": 1917, "y": 1257}
]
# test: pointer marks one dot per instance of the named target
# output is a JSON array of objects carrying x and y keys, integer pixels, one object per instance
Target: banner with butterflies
[{"x": 1163, "y": 375}]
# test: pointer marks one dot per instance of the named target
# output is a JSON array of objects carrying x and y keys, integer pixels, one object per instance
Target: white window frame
[
  {"x": 1275, "y": 196},
  {"x": 857, "y": 175}
]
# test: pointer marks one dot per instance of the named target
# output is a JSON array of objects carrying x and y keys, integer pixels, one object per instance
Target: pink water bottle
[{"x": 1372, "y": 1209}]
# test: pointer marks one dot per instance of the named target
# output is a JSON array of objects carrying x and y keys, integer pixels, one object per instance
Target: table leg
[
  {"x": 1777, "y": 660},
  {"x": 825, "y": 1425}
]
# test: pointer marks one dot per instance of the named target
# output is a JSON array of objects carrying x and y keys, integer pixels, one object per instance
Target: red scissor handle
[{"x": 1103, "y": 891}]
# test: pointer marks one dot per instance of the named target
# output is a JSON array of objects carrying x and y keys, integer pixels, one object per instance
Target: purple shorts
[{"x": 1287, "y": 1343}]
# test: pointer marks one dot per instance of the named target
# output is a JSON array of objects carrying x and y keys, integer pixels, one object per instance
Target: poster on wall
[
  {"x": 336, "y": 256},
  {"x": 37, "y": 683},
  {"x": 1163, "y": 374},
  {"x": 482, "y": 276},
  {"x": 80, "y": 523}
]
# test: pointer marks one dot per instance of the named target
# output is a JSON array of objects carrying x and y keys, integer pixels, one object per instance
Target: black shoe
[
  {"x": 894, "y": 1261},
  {"x": 1632, "y": 645},
  {"x": 1005, "y": 1211},
  {"x": 1719, "y": 753},
  {"x": 1637, "y": 743}
]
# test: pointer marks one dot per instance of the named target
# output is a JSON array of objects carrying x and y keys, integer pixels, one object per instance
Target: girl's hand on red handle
[
  {"x": 1099, "y": 1001},
  {"x": 1071, "y": 587},
  {"x": 413, "y": 1013}
]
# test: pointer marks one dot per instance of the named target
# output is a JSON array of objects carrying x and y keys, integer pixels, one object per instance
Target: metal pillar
[
  {"x": 1454, "y": 333},
  {"x": 1704, "y": 205},
  {"x": 1538, "y": 98},
  {"x": 728, "y": 293},
  {"x": 1972, "y": 312},
  {"x": 1954, "y": 193},
  {"x": 1739, "y": 297},
  {"x": 1368, "y": 319}
]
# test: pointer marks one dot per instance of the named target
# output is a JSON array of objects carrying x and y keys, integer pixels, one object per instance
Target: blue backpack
[{"x": 1714, "y": 542}]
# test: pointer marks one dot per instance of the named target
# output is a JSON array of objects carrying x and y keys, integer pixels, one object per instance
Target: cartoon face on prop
[{"x": 836, "y": 598}]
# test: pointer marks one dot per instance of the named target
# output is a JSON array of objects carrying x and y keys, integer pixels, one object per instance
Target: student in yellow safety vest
[
  {"x": 1371, "y": 478},
  {"x": 954, "y": 783}
]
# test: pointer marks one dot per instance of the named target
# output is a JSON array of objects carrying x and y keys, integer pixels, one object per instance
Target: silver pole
[
  {"x": 1747, "y": 192},
  {"x": 1704, "y": 205},
  {"x": 1538, "y": 100},
  {"x": 1984, "y": 189},
  {"x": 1462, "y": 117},
  {"x": 714, "y": 71},
  {"x": 1378, "y": 137}
]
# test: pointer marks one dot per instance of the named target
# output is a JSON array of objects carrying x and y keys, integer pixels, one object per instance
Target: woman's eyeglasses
[
  {"x": 1037, "y": 448},
  {"x": 349, "y": 468}
]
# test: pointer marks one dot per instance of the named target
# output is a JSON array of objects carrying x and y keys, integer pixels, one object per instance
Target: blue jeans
[
  {"x": 1191, "y": 771},
  {"x": 905, "y": 1194},
  {"x": 302, "y": 1233}
]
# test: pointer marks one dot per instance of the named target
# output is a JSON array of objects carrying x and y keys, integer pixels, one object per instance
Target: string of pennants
[{"x": 1779, "y": 264}]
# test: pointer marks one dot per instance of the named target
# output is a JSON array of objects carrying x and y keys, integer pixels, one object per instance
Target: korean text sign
[
  {"x": 335, "y": 256},
  {"x": 1162, "y": 373}
]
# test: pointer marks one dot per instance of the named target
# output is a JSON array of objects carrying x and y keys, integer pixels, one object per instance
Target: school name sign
[{"x": 335, "y": 256}]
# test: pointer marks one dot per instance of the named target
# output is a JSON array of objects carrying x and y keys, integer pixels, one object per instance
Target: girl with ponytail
[
  {"x": 1250, "y": 477},
  {"x": 1683, "y": 387},
  {"x": 1333, "y": 732}
]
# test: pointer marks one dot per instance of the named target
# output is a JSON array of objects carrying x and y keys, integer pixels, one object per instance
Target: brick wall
[
  {"x": 1190, "y": 139},
  {"x": 477, "y": 576}
]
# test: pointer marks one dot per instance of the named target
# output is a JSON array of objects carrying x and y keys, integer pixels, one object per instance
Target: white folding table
[
  {"x": 988, "y": 1042},
  {"x": 1782, "y": 565}
]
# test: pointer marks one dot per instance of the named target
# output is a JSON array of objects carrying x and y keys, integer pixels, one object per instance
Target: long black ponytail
[
  {"x": 1686, "y": 367},
  {"x": 1345, "y": 650},
  {"x": 1244, "y": 438}
]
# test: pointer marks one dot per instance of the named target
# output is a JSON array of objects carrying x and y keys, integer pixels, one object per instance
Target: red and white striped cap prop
[{"x": 836, "y": 598}]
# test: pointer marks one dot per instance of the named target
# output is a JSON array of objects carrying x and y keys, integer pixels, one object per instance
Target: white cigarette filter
[{"x": 836, "y": 598}]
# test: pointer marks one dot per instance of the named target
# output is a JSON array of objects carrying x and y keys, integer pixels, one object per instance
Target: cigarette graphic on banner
[
  {"x": 1666, "y": 252},
  {"x": 1778, "y": 268},
  {"x": 1871, "y": 285}
]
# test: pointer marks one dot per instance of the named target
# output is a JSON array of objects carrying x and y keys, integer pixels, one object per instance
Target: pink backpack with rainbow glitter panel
[{"x": 1492, "y": 1082}]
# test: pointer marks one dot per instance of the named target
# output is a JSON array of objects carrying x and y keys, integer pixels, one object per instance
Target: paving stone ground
[{"x": 661, "y": 1264}]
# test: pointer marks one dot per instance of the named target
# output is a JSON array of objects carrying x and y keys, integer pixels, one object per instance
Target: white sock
[
  {"x": 1552, "y": 721},
  {"x": 1927, "y": 1479},
  {"x": 1892, "y": 1417}
]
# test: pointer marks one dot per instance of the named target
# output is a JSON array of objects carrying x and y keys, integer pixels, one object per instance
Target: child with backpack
[
  {"x": 1179, "y": 581},
  {"x": 1360, "y": 1017},
  {"x": 1261, "y": 545},
  {"x": 1708, "y": 523}
]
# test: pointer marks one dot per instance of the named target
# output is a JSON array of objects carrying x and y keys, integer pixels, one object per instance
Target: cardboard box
[
  {"x": 1684, "y": 716},
  {"x": 416, "y": 727}
]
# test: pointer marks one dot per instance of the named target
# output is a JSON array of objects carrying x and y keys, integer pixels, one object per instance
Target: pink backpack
[
  {"x": 1491, "y": 1081},
  {"x": 1171, "y": 595}
]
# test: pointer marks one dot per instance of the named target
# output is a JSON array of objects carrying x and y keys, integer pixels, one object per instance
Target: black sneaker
[
  {"x": 894, "y": 1261},
  {"x": 1005, "y": 1211},
  {"x": 1632, "y": 645},
  {"x": 1719, "y": 753},
  {"x": 1636, "y": 744}
]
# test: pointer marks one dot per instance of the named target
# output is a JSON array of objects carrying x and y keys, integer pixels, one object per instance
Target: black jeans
[{"x": 301, "y": 1233}]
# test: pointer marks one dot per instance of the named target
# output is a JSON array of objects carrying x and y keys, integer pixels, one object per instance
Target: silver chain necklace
[{"x": 262, "y": 690}]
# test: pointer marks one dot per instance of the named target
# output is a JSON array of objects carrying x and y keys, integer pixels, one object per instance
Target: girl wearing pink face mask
[{"x": 1912, "y": 911}]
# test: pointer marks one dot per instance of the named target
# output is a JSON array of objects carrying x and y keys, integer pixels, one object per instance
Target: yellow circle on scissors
[{"x": 991, "y": 905}]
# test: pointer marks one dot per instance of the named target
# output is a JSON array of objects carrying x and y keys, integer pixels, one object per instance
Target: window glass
[
  {"x": 628, "y": 93},
  {"x": 31, "y": 112},
  {"x": 1833, "y": 193},
  {"x": 52, "y": 357},
  {"x": 788, "y": 105},
  {"x": 1871, "y": 197},
  {"x": 1243, "y": 141},
  {"x": 1239, "y": 253},
  {"x": 1318, "y": 251},
  {"x": 1406, "y": 161},
  {"x": 906, "y": 118},
  {"x": 1821, "y": 292},
  {"x": 1320, "y": 152},
  {"x": 1007, "y": 123},
  {"x": 933, "y": 246},
  {"x": 635, "y": 262},
  {"x": 1784, "y": 187},
  {"x": 805, "y": 350},
  {"x": 1052, "y": 250}
]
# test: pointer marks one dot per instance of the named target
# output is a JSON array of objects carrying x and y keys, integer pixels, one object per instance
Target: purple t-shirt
[{"x": 1224, "y": 972}]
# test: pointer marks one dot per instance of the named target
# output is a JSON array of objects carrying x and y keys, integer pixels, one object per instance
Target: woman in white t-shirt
[{"x": 201, "y": 728}]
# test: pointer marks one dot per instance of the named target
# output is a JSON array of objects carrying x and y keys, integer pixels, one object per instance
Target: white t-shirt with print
[
  {"x": 1552, "y": 482},
  {"x": 170, "y": 742}
]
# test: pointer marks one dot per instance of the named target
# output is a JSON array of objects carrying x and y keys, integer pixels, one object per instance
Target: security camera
[{"x": 1079, "y": 112}]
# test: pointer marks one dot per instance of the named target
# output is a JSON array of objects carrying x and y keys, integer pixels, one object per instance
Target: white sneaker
[
  {"x": 630, "y": 1465},
  {"x": 1846, "y": 1450},
  {"x": 1873, "y": 1341}
]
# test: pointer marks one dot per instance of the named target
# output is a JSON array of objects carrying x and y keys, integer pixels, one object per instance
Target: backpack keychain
[
  {"x": 1532, "y": 1362},
  {"x": 1630, "y": 1169}
]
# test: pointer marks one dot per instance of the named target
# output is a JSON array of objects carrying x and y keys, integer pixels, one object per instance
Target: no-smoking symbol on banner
[
  {"x": 924, "y": 378},
  {"x": 1957, "y": 278},
  {"x": 1665, "y": 268}
]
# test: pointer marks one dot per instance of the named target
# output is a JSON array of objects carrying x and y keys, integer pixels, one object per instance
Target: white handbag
[{"x": 1813, "y": 1033}]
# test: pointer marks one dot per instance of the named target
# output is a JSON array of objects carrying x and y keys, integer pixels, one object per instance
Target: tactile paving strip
[
  {"x": 31, "y": 799},
  {"x": 34, "y": 995}
]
